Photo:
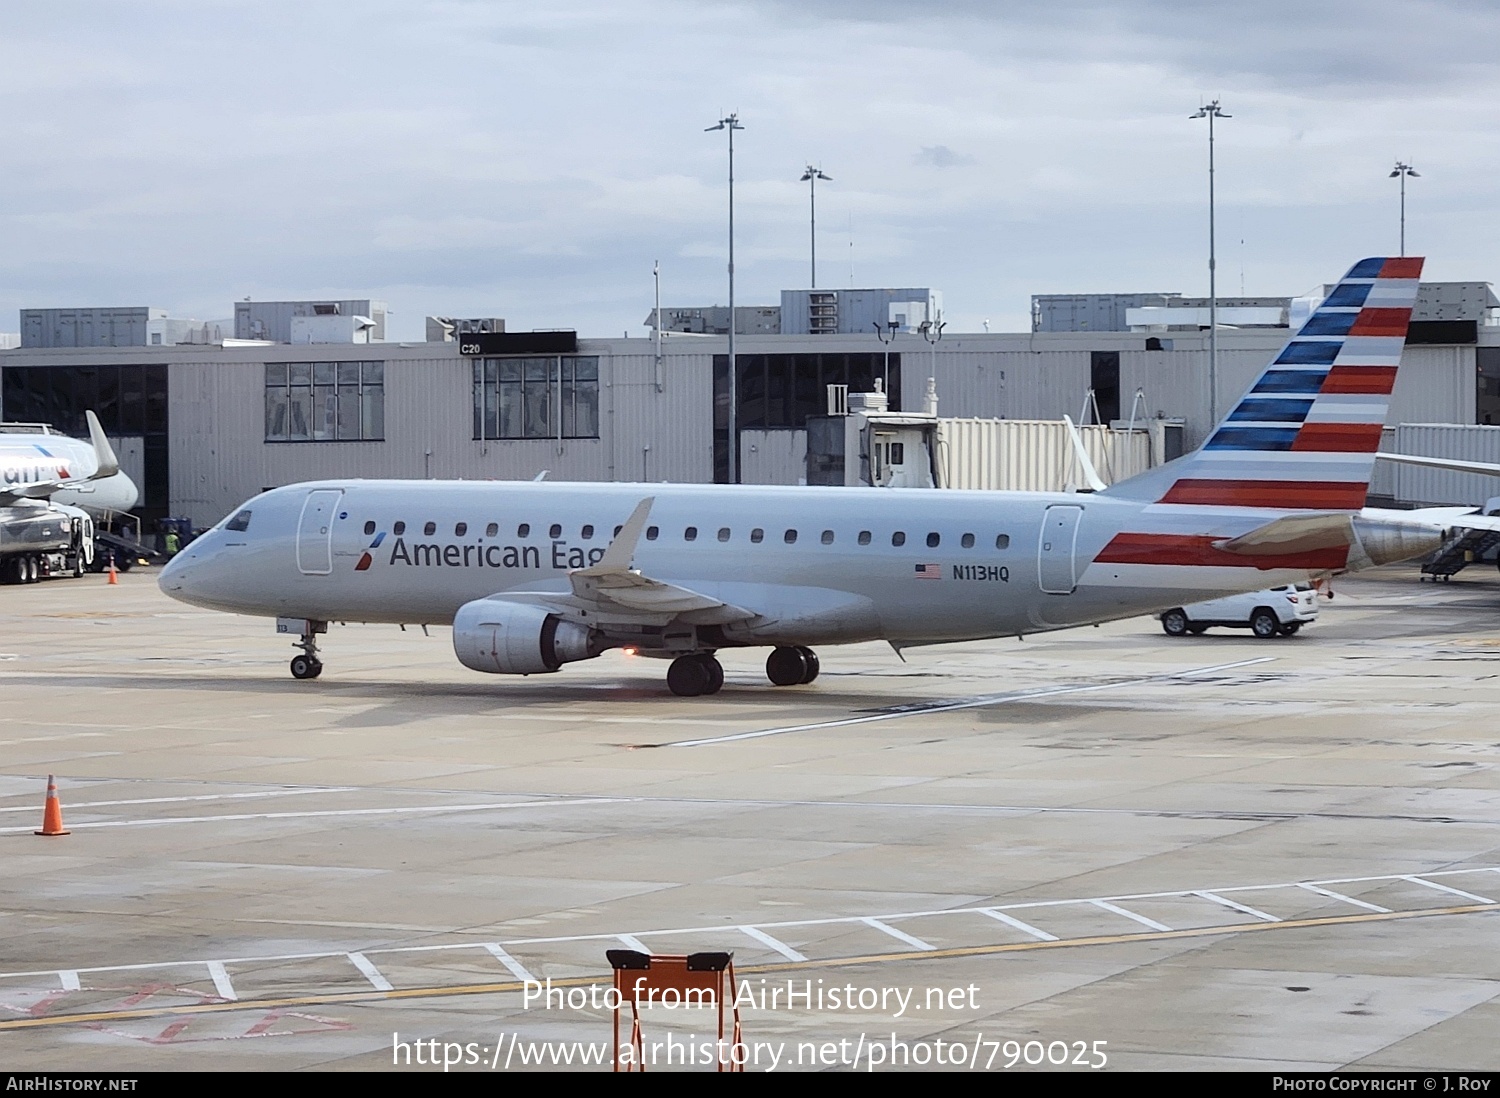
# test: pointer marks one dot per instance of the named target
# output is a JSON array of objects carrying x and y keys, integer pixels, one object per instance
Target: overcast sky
[{"x": 531, "y": 160}]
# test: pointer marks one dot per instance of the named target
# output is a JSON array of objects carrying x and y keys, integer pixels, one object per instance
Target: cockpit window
[{"x": 240, "y": 522}]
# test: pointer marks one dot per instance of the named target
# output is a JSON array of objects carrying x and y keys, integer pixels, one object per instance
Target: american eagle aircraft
[
  {"x": 40, "y": 465},
  {"x": 534, "y": 575}
]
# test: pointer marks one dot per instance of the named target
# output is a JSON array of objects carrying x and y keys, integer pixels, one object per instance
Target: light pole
[
  {"x": 1211, "y": 111},
  {"x": 811, "y": 177},
  {"x": 731, "y": 123},
  {"x": 1403, "y": 170},
  {"x": 932, "y": 332},
  {"x": 887, "y": 340}
]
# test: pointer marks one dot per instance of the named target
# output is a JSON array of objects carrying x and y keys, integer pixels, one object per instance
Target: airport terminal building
[{"x": 202, "y": 423}]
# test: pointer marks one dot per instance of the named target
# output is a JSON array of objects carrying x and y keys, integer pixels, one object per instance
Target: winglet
[
  {"x": 621, "y": 551},
  {"x": 109, "y": 465},
  {"x": 1090, "y": 474}
]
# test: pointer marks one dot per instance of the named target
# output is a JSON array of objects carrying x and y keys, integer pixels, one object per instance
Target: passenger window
[
  {"x": 1002, "y": 541},
  {"x": 864, "y": 537},
  {"x": 369, "y": 526},
  {"x": 723, "y": 533},
  {"x": 524, "y": 530},
  {"x": 827, "y": 537},
  {"x": 898, "y": 538},
  {"x": 651, "y": 532},
  {"x": 398, "y": 529},
  {"x": 790, "y": 537},
  {"x": 690, "y": 534},
  {"x": 241, "y": 522},
  {"x": 492, "y": 530},
  {"x": 429, "y": 529},
  {"x": 967, "y": 541},
  {"x": 588, "y": 533},
  {"x": 461, "y": 529},
  {"x": 757, "y": 536},
  {"x": 555, "y": 531},
  {"x": 933, "y": 540}
]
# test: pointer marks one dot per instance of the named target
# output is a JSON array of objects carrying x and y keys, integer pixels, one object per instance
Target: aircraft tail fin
[{"x": 1304, "y": 436}]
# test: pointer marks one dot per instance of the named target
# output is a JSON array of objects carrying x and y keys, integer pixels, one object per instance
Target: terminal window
[
  {"x": 551, "y": 397},
  {"x": 325, "y": 401}
]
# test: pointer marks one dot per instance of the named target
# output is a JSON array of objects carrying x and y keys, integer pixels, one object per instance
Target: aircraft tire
[
  {"x": 689, "y": 676},
  {"x": 1263, "y": 623},
  {"x": 715, "y": 671},
  {"x": 306, "y": 667},
  {"x": 787, "y": 666},
  {"x": 813, "y": 667},
  {"x": 1174, "y": 623}
]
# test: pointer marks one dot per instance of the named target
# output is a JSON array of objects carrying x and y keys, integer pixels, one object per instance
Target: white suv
[{"x": 1279, "y": 612}]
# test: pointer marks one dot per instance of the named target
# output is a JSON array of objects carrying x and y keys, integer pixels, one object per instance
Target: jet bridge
[{"x": 860, "y": 442}]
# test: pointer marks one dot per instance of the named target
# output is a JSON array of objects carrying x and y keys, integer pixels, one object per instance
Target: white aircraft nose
[{"x": 176, "y": 575}]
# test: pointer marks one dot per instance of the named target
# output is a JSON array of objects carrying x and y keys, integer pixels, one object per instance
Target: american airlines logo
[
  {"x": 34, "y": 473},
  {"x": 368, "y": 558},
  {"x": 561, "y": 555}
]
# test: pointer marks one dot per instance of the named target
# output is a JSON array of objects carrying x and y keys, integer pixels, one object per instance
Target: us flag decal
[{"x": 929, "y": 571}]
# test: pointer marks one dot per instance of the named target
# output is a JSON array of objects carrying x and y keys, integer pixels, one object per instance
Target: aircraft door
[
  {"x": 1055, "y": 549},
  {"x": 315, "y": 532},
  {"x": 900, "y": 460}
]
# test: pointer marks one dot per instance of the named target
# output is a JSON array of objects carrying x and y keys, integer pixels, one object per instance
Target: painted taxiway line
[
  {"x": 453, "y": 990},
  {"x": 298, "y": 792},
  {"x": 432, "y": 809},
  {"x": 923, "y": 710},
  {"x": 760, "y": 931}
]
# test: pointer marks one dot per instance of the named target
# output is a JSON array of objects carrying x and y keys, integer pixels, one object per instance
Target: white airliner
[
  {"x": 52, "y": 487},
  {"x": 40, "y": 464},
  {"x": 534, "y": 575}
]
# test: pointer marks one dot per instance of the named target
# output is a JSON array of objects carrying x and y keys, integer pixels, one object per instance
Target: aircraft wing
[
  {"x": 613, "y": 586},
  {"x": 104, "y": 454},
  {"x": 41, "y": 489}
]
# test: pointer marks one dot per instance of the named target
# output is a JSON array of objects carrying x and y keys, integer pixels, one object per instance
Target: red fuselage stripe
[
  {"x": 1198, "y": 549},
  {"x": 1333, "y": 495}
]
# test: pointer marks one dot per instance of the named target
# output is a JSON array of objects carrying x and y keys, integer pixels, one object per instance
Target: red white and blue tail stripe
[
  {"x": 1305, "y": 435},
  {"x": 1303, "y": 438}
]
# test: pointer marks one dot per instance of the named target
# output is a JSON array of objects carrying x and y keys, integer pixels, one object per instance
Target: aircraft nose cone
[{"x": 175, "y": 577}]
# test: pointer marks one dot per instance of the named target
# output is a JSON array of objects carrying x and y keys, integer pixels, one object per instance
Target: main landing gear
[
  {"x": 792, "y": 666},
  {"x": 698, "y": 673}
]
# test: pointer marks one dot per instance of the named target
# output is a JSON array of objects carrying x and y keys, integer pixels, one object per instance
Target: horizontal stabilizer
[
  {"x": 1292, "y": 534},
  {"x": 1486, "y": 468},
  {"x": 1475, "y": 522}
]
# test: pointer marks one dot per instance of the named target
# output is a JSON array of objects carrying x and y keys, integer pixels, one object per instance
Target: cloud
[
  {"x": 941, "y": 156},
  {"x": 535, "y": 160}
]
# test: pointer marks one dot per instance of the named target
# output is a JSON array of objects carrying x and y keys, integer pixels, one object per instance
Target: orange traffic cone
[
  {"x": 52, "y": 814},
  {"x": 114, "y": 579}
]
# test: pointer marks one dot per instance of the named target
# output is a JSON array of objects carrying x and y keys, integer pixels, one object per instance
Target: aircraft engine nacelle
[
  {"x": 513, "y": 638},
  {"x": 1382, "y": 541}
]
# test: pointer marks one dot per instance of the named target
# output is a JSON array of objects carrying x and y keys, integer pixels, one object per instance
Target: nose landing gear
[{"x": 307, "y": 665}]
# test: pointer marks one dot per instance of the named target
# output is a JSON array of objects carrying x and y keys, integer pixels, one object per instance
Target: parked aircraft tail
[{"x": 1305, "y": 435}]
